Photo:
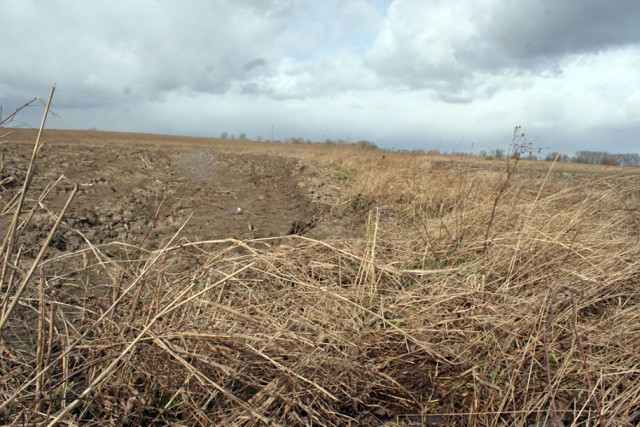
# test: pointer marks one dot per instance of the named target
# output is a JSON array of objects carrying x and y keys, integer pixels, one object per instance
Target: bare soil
[{"x": 135, "y": 189}]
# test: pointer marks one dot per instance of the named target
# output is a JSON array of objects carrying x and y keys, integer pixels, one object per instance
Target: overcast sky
[{"x": 405, "y": 74}]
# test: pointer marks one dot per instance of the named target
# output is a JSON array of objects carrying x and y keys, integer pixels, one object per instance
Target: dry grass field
[{"x": 353, "y": 287}]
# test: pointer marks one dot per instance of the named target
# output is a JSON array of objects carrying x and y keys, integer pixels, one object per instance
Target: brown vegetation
[{"x": 439, "y": 310}]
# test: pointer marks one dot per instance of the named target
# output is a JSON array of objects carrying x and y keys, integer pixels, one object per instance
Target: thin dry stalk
[
  {"x": 35, "y": 264},
  {"x": 585, "y": 364},
  {"x": 545, "y": 341},
  {"x": 7, "y": 245}
]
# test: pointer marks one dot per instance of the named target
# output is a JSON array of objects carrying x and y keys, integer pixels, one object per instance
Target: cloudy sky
[{"x": 405, "y": 74}]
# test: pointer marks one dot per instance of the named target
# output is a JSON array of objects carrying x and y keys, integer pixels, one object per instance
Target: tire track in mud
[{"x": 126, "y": 191}]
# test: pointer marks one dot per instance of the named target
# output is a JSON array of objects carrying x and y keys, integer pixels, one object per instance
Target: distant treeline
[
  {"x": 604, "y": 158},
  {"x": 583, "y": 156},
  {"x": 363, "y": 143}
]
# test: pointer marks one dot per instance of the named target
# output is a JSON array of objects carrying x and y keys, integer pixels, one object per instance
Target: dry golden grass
[{"x": 432, "y": 318}]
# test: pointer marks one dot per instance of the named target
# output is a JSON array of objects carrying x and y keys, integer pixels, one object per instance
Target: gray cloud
[
  {"x": 531, "y": 30},
  {"x": 255, "y": 63},
  {"x": 451, "y": 47}
]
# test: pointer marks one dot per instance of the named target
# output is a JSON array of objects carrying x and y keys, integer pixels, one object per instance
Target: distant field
[{"x": 196, "y": 281}]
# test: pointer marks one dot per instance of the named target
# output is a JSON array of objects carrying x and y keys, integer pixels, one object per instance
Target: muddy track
[{"x": 143, "y": 195}]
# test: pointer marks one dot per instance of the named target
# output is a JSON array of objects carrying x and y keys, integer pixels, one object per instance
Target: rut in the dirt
[{"x": 144, "y": 195}]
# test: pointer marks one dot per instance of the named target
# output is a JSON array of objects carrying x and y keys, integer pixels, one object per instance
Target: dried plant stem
[
  {"x": 36, "y": 262},
  {"x": 7, "y": 246},
  {"x": 545, "y": 341},
  {"x": 50, "y": 335},
  {"x": 10, "y": 117},
  {"x": 525, "y": 224},
  {"x": 585, "y": 364},
  {"x": 503, "y": 187},
  {"x": 10, "y": 282},
  {"x": 40, "y": 345}
]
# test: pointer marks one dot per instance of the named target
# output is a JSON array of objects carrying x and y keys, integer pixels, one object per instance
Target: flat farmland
[{"x": 195, "y": 281}]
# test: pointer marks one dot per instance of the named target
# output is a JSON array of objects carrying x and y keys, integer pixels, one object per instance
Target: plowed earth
[{"x": 141, "y": 189}]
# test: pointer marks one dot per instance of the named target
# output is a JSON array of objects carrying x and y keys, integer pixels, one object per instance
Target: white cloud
[{"x": 420, "y": 46}]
